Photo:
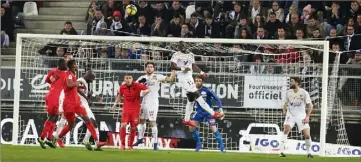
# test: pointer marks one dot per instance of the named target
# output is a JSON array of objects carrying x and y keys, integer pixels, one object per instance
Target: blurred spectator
[
  {"x": 159, "y": 28},
  {"x": 334, "y": 39},
  {"x": 156, "y": 55},
  {"x": 292, "y": 10},
  {"x": 91, "y": 11},
  {"x": 281, "y": 34},
  {"x": 257, "y": 9},
  {"x": 103, "y": 30},
  {"x": 202, "y": 6},
  {"x": 141, "y": 27},
  {"x": 144, "y": 57},
  {"x": 174, "y": 28},
  {"x": 258, "y": 21},
  {"x": 300, "y": 34},
  {"x": 316, "y": 34},
  {"x": 280, "y": 15},
  {"x": 272, "y": 25},
  {"x": 306, "y": 14},
  {"x": 350, "y": 22},
  {"x": 97, "y": 20},
  {"x": 6, "y": 28},
  {"x": 352, "y": 42},
  {"x": 260, "y": 34},
  {"x": 242, "y": 25},
  {"x": 312, "y": 25},
  {"x": 354, "y": 10},
  {"x": 185, "y": 33},
  {"x": 118, "y": 26},
  {"x": 177, "y": 9},
  {"x": 336, "y": 50},
  {"x": 144, "y": 8},
  {"x": 108, "y": 9},
  {"x": 121, "y": 53},
  {"x": 358, "y": 24},
  {"x": 294, "y": 24},
  {"x": 210, "y": 29},
  {"x": 233, "y": 17},
  {"x": 335, "y": 19},
  {"x": 162, "y": 11},
  {"x": 60, "y": 52},
  {"x": 68, "y": 29},
  {"x": 194, "y": 25}
]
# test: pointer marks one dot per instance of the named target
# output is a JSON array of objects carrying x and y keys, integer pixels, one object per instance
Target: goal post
[{"x": 207, "y": 43}]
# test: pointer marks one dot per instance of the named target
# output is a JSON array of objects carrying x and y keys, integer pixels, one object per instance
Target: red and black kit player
[
  {"x": 56, "y": 79},
  {"x": 72, "y": 105},
  {"x": 130, "y": 92}
]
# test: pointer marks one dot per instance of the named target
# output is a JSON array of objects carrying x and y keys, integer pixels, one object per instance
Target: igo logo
[
  {"x": 302, "y": 146},
  {"x": 348, "y": 151},
  {"x": 267, "y": 143}
]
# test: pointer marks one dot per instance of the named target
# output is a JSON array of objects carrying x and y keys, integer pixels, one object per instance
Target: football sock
[
  {"x": 141, "y": 130},
  {"x": 92, "y": 130},
  {"x": 131, "y": 137},
  {"x": 123, "y": 133},
  {"x": 308, "y": 145},
  {"x": 60, "y": 125},
  {"x": 87, "y": 136},
  {"x": 47, "y": 127},
  {"x": 204, "y": 105},
  {"x": 189, "y": 109},
  {"x": 283, "y": 142},
  {"x": 195, "y": 135},
  {"x": 155, "y": 134},
  {"x": 219, "y": 138},
  {"x": 51, "y": 130},
  {"x": 64, "y": 131}
]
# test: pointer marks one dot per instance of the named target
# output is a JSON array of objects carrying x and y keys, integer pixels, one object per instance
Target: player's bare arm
[
  {"x": 309, "y": 107},
  {"x": 284, "y": 108},
  {"x": 171, "y": 77},
  {"x": 174, "y": 66}
]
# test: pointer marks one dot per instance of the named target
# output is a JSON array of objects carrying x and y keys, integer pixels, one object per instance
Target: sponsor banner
[
  {"x": 264, "y": 91},
  {"x": 106, "y": 84}
]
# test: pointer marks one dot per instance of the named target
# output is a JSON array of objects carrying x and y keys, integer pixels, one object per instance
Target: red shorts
[
  {"x": 131, "y": 117},
  {"x": 52, "y": 104},
  {"x": 70, "y": 109}
]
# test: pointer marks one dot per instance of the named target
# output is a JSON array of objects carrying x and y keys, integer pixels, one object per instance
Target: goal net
[{"x": 249, "y": 76}]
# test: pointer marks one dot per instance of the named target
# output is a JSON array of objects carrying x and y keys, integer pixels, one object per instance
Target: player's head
[
  {"x": 128, "y": 79},
  {"x": 181, "y": 47},
  {"x": 89, "y": 76},
  {"x": 68, "y": 57},
  {"x": 61, "y": 64},
  {"x": 295, "y": 82},
  {"x": 149, "y": 67},
  {"x": 71, "y": 64},
  {"x": 199, "y": 81}
]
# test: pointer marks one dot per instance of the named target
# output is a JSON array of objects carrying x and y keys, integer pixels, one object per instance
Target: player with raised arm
[
  {"x": 130, "y": 92},
  {"x": 83, "y": 85},
  {"x": 72, "y": 105},
  {"x": 55, "y": 78},
  {"x": 294, "y": 107},
  {"x": 150, "y": 102},
  {"x": 203, "y": 116},
  {"x": 183, "y": 62}
]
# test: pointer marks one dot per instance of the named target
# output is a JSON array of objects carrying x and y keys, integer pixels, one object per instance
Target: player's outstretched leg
[
  {"x": 59, "y": 127},
  {"x": 87, "y": 136},
  {"x": 195, "y": 135},
  {"x": 51, "y": 142},
  {"x": 308, "y": 141},
  {"x": 141, "y": 131},
  {"x": 219, "y": 140},
  {"x": 92, "y": 130},
  {"x": 187, "y": 115}
]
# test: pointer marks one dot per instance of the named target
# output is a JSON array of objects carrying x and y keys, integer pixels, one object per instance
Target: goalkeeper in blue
[{"x": 203, "y": 116}]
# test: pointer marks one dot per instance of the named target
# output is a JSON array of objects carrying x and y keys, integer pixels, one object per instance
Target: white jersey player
[
  {"x": 184, "y": 63},
  {"x": 294, "y": 107},
  {"x": 150, "y": 102}
]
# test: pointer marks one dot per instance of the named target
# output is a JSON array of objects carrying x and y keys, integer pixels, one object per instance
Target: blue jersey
[{"x": 202, "y": 115}]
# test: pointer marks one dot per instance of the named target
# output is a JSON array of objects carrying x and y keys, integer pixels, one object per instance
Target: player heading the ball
[
  {"x": 183, "y": 62},
  {"x": 150, "y": 102},
  {"x": 204, "y": 116},
  {"x": 294, "y": 107}
]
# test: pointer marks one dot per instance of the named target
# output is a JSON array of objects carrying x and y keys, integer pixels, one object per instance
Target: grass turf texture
[{"x": 11, "y": 153}]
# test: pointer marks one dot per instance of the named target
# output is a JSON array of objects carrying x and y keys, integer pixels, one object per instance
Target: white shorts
[
  {"x": 61, "y": 101},
  {"x": 85, "y": 105},
  {"x": 149, "y": 111},
  {"x": 291, "y": 121},
  {"x": 187, "y": 82}
]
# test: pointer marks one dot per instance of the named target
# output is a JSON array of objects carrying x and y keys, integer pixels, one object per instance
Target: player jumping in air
[
  {"x": 83, "y": 83},
  {"x": 130, "y": 92},
  {"x": 56, "y": 79},
  {"x": 150, "y": 102},
  {"x": 295, "y": 103},
  {"x": 183, "y": 63},
  {"x": 72, "y": 105}
]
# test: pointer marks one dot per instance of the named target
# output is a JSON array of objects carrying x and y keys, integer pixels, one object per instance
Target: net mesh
[{"x": 233, "y": 70}]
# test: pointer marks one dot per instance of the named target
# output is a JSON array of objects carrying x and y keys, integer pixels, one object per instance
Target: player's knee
[
  {"x": 123, "y": 124},
  {"x": 192, "y": 96},
  {"x": 94, "y": 122}
]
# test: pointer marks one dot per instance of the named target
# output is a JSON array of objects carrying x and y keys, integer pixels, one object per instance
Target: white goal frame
[{"x": 325, "y": 64}]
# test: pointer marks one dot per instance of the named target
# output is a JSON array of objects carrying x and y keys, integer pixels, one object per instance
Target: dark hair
[
  {"x": 68, "y": 23},
  {"x": 149, "y": 63},
  {"x": 297, "y": 80},
  {"x": 209, "y": 16},
  {"x": 199, "y": 77},
  {"x": 194, "y": 14},
  {"x": 311, "y": 17},
  {"x": 61, "y": 64},
  {"x": 70, "y": 63},
  {"x": 272, "y": 13},
  {"x": 281, "y": 27},
  {"x": 177, "y": 15}
]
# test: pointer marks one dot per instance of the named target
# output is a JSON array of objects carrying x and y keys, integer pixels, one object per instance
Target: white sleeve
[
  {"x": 161, "y": 78},
  {"x": 174, "y": 57},
  {"x": 307, "y": 98}
]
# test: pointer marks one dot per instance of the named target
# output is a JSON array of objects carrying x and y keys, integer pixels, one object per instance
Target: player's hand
[
  {"x": 114, "y": 106},
  {"x": 306, "y": 120}
]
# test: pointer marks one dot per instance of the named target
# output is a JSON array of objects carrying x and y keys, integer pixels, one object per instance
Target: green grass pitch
[{"x": 36, "y": 154}]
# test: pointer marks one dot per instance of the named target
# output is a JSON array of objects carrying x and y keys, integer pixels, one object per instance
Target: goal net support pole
[{"x": 19, "y": 52}]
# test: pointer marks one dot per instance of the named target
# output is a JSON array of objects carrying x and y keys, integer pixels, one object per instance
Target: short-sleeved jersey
[
  {"x": 153, "y": 83},
  {"x": 56, "y": 86},
  {"x": 296, "y": 103},
  {"x": 183, "y": 60},
  {"x": 209, "y": 96},
  {"x": 71, "y": 94},
  {"x": 84, "y": 85},
  {"x": 131, "y": 96}
]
